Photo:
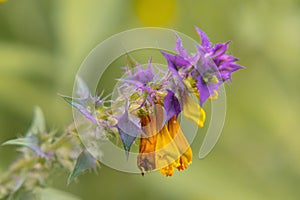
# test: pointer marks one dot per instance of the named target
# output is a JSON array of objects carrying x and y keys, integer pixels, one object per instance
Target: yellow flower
[
  {"x": 156, "y": 12},
  {"x": 193, "y": 111},
  {"x": 166, "y": 150},
  {"x": 167, "y": 153},
  {"x": 182, "y": 144}
]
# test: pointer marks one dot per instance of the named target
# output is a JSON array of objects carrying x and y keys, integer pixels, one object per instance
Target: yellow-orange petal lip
[
  {"x": 182, "y": 144},
  {"x": 193, "y": 111},
  {"x": 168, "y": 170},
  {"x": 167, "y": 153}
]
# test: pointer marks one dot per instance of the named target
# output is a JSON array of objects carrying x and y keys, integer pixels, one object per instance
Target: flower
[
  {"x": 209, "y": 67},
  {"x": 166, "y": 150},
  {"x": 226, "y": 63},
  {"x": 163, "y": 145},
  {"x": 149, "y": 103}
]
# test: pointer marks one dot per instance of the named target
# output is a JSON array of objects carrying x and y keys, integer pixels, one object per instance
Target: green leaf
[
  {"x": 43, "y": 194},
  {"x": 131, "y": 62},
  {"x": 29, "y": 142},
  {"x": 51, "y": 193},
  {"x": 38, "y": 124},
  {"x": 84, "y": 162},
  {"x": 23, "y": 195},
  {"x": 76, "y": 102},
  {"x": 82, "y": 106}
]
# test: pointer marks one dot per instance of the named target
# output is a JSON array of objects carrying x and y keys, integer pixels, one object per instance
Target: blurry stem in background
[
  {"x": 43, "y": 154},
  {"x": 21, "y": 164}
]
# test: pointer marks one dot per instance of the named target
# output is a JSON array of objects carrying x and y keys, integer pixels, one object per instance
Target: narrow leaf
[
  {"x": 23, "y": 195},
  {"x": 29, "y": 142},
  {"x": 127, "y": 141},
  {"x": 131, "y": 62},
  {"x": 81, "y": 106},
  {"x": 38, "y": 124},
  {"x": 84, "y": 162},
  {"x": 128, "y": 130},
  {"x": 51, "y": 193}
]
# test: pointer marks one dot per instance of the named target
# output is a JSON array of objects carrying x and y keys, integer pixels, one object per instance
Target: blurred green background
[{"x": 43, "y": 42}]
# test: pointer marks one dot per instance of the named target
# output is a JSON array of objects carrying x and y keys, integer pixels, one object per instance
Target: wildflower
[
  {"x": 163, "y": 146},
  {"x": 209, "y": 67},
  {"x": 178, "y": 67},
  {"x": 149, "y": 103},
  {"x": 226, "y": 64},
  {"x": 167, "y": 153},
  {"x": 166, "y": 150},
  {"x": 214, "y": 65}
]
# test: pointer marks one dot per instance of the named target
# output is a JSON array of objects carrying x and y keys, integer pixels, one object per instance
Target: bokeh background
[{"x": 43, "y": 42}]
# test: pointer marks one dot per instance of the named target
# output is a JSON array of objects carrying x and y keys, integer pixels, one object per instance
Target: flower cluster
[{"x": 149, "y": 101}]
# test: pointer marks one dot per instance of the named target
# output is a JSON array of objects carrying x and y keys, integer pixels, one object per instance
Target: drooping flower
[
  {"x": 163, "y": 146},
  {"x": 153, "y": 102},
  {"x": 167, "y": 153},
  {"x": 164, "y": 150}
]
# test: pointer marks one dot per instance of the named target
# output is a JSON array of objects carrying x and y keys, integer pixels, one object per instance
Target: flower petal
[
  {"x": 203, "y": 90},
  {"x": 183, "y": 146},
  {"x": 179, "y": 48},
  {"x": 193, "y": 111},
  {"x": 171, "y": 105},
  {"x": 205, "y": 42},
  {"x": 167, "y": 153},
  {"x": 174, "y": 63},
  {"x": 219, "y": 49}
]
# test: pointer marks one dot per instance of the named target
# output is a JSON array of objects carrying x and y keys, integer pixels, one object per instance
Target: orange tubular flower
[
  {"x": 166, "y": 150},
  {"x": 146, "y": 157},
  {"x": 167, "y": 153},
  {"x": 182, "y": 144}
]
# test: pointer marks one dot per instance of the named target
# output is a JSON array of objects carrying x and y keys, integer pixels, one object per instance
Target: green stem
[{"x": 22, "y": 164}]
